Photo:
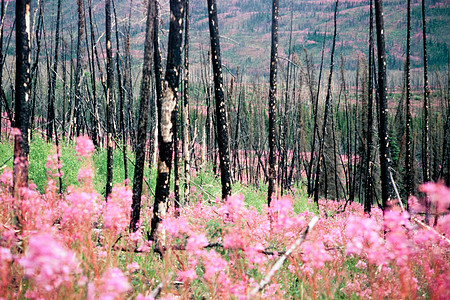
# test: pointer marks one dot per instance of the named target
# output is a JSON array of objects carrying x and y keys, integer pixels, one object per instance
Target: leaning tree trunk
[
  {"x": 22, "y": 94},
  {"x": 166, "y": 111},
  {"x": 143, "y": 115},
  {"x": 221, "y": 112},
  {"x": 109, "y": 96},
  {"x": 386, "y": 189},
  {"x": 76, "y": 109},
  {"x": 273, "y": 101}
]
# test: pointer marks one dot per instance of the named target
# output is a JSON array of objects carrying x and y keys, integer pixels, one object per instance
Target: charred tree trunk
[
  {"x": 186, "y": 155},
  {"x": 109, "y": 99},
  {"x": 273, "y": 101},
  {"x": 78, "y": 69},
  {"x": 221, "y": 114},
  {"x": 327, "y": 108},
  {"x": 52, "y": 87},
  {"x": 368, "y": 196},
  {"x": 166, "y": 113},
  {"x": 426, "y": 94},
  {"x": 22, "y": 94},
  {"x": 408, "y": 155},
  {"x": 143, "y": 115},
  {"x": 385, "y": 156}
]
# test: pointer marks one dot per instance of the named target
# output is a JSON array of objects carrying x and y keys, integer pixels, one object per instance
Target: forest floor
[{"x": 77, "y": 245}]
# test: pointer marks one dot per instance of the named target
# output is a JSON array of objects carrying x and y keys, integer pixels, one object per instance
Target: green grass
[{"x": 206, "y": 182}]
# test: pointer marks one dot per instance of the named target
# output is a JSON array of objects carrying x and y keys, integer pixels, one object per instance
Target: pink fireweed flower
[
  {"x": 6, "y": 178},
  {"x": 47, "y": 263},
  {"x": 233, "y": 239},
  {"x": 112, "y": 285},
  {"x": 133, "y": 267},
  {"x": 232, "y": 207},
  {"x": 85, "y": 175},
  {"x": 5, "y": 255},
  {"x": 174, "y": 226},
  {"x": 214, "y": 263},
  {"x": 314, "y": 254},
  {"x": 15, "y": 131},
  {"x": 196, "y": 242},
  {"x": 365, "y": 239},
  {"x": 187, "y": 275},
  {"x": 438, "y": 193},
  {"x": 85, "y": 147},
  {"x": 118, "y": 209}
]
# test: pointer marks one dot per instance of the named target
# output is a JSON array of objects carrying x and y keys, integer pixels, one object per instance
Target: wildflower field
[{"x": 76, "y": 245}]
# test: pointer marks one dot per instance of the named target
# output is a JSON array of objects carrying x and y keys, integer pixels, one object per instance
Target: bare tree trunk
[
  {"x": 327, "y": 108},
  {"x": 52, "y": 87},
  {"x": 187, "y": 167},
  {"x": 109, "y": 100},
  {"x": 78, "y": 69},
  {"x": 221, "y": 116},
  {"x": 143, "y": 115},
  {"x": 166, "y": 113},
  {"x": 385, "y": 155},
  {"x": 273, "y": 101},
  {"x": 408, "y": 159},
  {"x": 368, "y": 200},
  {"x": 426, "y": 94},
  {"x": 22, "y": 94}
]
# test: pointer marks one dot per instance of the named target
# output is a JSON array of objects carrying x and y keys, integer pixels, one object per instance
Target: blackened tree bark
[
  {"x": 426, "y": 94},
  {"x": 166, "y": 111},
  {"x": 186, "y": 155},
  {"x": 143, "y": 115},
  {"x": 408, "y": 155},
  {"x": 52, "y": 87},
  {"x": 221, "y": 113},
  {"x": 109, "y": 96},
  {"x": 22, "y": 93},
  {"x": 78, "y": 69},
  {"x": 368, "y": 195},
  {"x": 386, "y": 189},
  {"x": 273, "y": 101},
  {"x": 327, "y": 108}
]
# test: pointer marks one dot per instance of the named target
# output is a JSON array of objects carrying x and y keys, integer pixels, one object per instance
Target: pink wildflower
[
  {"x": 15, "y": 131},
  {"x": 175, "y": 226},
  {"x": 84, "y": 147},
  {"x": 438, "y": 193},
  {"x": 47, "y": 262},
  {"x": 6, "y": 178},
  {"x": 112, "y": 285},
  {"x": 133, "y": 267},
  {"x": 196, "y": 242},
  {"x": 187, "y": 275},
  {"x": 118, "y": 209},
  {"x": 214, "y": 263},
  {"x": 315, "y": 255}
]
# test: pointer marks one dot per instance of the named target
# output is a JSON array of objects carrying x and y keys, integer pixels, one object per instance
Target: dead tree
[
  {"x": 221, "y": 112},
  {"x": 426, "y": 95},
  {"x": 109, "y": 99},
  {"x": 408, "y": 155},
  {"x": 22, "y": 94},
  {"x": 382, "y": 108},
  {"x": 186, "y": 155},
  {"x": 273, "y": 101},
  {"x": 166, "y": 112},
  {"x": 143, "y": 115},
  {"x": 328, "y": 100}
]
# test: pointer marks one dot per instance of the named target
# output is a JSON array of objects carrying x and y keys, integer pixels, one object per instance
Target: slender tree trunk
[
  {"x": 52, "y": 87},
  {"x": 368, "y": 199},
  {"x": 221, "y": 116},
  {"x": 78, "y": 69},
  {"x": 273, "y": 101},
  {"x": 166, "y": 114},
  {"x": 187, "y": 167},
  {"x": 143, "y": 115},
  {"x": 408, "y": 156},
  {"x": 328, "y": 100},
  {"x": 109, "y": 100},
  {"x": 22, "y": 94},
  {"x": 426, "y": 94},
  {"x": 382, "y": 107}
]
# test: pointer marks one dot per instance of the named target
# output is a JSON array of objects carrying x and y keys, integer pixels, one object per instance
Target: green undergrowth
[{"x": 203, "y": 181}]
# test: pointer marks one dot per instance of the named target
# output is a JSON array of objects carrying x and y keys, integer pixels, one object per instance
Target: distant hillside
[{"x": 245, "y": 27}]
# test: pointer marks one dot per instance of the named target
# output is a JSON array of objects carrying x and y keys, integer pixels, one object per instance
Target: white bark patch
[{"x": 167, "y": 106}]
